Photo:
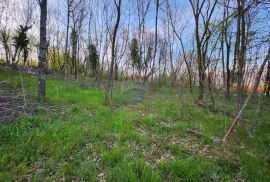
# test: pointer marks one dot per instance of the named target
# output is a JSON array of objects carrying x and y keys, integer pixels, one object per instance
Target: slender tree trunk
[
  {"x": 74, "y": 51},
  {"x": 66, "y": 46},
  {"x": 13, "y": 63},
  {"x": 200, "y": 60},
  {"x": 77, "y": 63},
  {"x": 42, "y": 51},
  {"x": 116, "y": 71},
  {"x": 236, "y": 57},
  {"x": 228, "y": 40},
  {"x": 154, "y": 57},
  {"x": 223, "y": 57},
  {"x": 267, "y": 81},
  {"x": 118, "y": 6},
  {"x": 228, "y": 80}
]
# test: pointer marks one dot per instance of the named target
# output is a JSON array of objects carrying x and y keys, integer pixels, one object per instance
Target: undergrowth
[{"x": 86, "y": 141}]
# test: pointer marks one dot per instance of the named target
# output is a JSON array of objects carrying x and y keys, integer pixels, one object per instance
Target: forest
[{"x": 135, "y": 90}]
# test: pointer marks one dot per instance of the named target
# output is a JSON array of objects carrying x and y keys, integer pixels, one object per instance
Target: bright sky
[{"x": 16, "y": 14}]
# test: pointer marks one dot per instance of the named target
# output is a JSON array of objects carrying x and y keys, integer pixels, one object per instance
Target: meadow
[{"x": 74, "y": 136}]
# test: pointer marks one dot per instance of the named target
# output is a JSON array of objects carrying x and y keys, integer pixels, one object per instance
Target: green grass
[{"x": 84, "y": 141}]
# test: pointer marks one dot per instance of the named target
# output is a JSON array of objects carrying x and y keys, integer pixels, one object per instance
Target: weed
[{"x": 85, "y": 141}]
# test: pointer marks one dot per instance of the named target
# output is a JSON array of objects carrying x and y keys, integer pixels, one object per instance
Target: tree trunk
[
  {"x": 200, "y": 62},
  {"x": 228, "y": 80},
  {"x": 116, "y": 71},
  {"x": 13, "y": 63},
  {"x": 154, "y": 57},
  {"x": 66, "y": 47},
  {"x": 74, "y": 51},
  {"x": 223, "y": 57},
  {"x": 118, "y": 6},
  {"x": 267, "y": 81},
  {"x": 228, "y": 50},
  {"x": 77, "y": 63},
  {"x": 42, "y": 51}
]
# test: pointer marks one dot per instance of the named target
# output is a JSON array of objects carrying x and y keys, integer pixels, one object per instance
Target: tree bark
[
  {"x": 42, "y": 51},
  {"x": 74, "y": 50}
]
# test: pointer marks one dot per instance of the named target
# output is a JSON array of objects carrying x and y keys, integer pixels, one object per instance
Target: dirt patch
[
  {"x": 155, "y": 153},
  {"x": 10, "y": 87},
  {"x": 13, "y": 106},
  {"x": 194, "y": 145}
]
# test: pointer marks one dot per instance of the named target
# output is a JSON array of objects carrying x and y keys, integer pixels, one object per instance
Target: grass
[{"x": 84, "y": 141}]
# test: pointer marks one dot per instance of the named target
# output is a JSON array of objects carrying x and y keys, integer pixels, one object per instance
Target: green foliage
[
  {"x": 135, "y": 57},
  {"x": 137, "y": 62},
  {"x": 85, "y": 141},
  {"x": 190, "y": 169},
  {"x": 75, "y": 109},
  {"x": 135, "y": 171},
  {"x": 254, "y": 168},
  {"x": 21, "y": 40},
  {"x": 112, "y": 157},
  {"x": 93, "y": 58}
]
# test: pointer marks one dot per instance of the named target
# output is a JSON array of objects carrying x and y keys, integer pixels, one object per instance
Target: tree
[
  {"x": 5, "y": 30},
  {"x": 72, "y": 5},
  {"x": 93, "y": 59},
  {"x": 4, "y": 37},
  {"x": 42, "y": 50},
  {"x": 202, "y": 38},
  {"x": 77, "y": 18},
  {"x": 155, "y": 52},
  {"x": 179, "y": 37},
  {"x": 135, "y": 56},
  {"x": 143, "y": 7},
  {"x": 69, "y": 4},
  {"x": 228, "y": 42},
  {"x": 118, "y": 7},
  {"x": 20, "y": 42}
]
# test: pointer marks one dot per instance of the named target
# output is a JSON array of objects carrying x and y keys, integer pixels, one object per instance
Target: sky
[{"x": 15, "y": 13}]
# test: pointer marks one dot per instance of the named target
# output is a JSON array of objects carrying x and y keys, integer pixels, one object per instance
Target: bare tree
[
  {"x": 155, "y": 52},
  {"x": 5, "y": 31},
  {"x": 202, "y": 38},
  {"x": 69, "y": 3},
  {"x": 179, "y": 36},
  {"x": 72, "y": 5},
  {"x": 118, "y": 7},
  {"x": 77, "y": 15},
  {"x": 228, "y": 42}
]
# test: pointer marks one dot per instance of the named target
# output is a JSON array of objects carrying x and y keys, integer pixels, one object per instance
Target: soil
[{"x": 13, "y": 106}]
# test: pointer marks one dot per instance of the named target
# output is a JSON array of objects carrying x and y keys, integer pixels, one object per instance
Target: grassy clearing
[{"x": 85, "y": 141}]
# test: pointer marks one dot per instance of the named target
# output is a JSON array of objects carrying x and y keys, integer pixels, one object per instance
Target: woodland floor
[{"x": 73, "y": 136}]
